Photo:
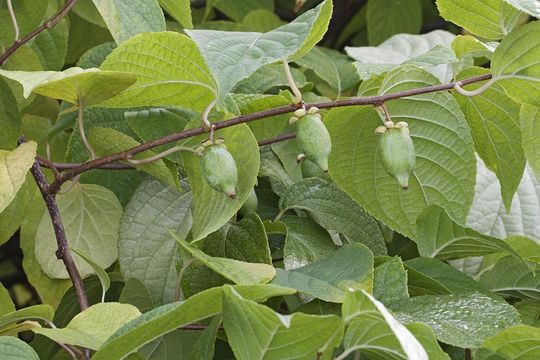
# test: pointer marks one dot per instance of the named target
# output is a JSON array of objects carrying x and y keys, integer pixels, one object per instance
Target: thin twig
[
  {"x": 178, "y": 289},
  {"x": 204, "y": 117},
  {"x": 369, "y": 100},
  {"x": 60, "y": 166},
  {"x": 80, "y": 123},
  {"x": 52, "y": 21},
  {"x": 62, "y": 252},
  {"x": 160, "y": 155},
  {"x": 471, "y": 93},
  {"x": 13, "y": 20},
  {"x": 277, "y": 139}
]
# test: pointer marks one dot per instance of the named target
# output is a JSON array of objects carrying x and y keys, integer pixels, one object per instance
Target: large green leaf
[
  {"x": 36, "y": 312},
  {"x": 90, "y": 86},
  {"x": 126, "y": 18},
  {"x": 350, "y": 267},
  {"x": 13, "y": 348},
  {"x": 489, "y": 216},
  {"x": 264, "y": 79},
  {"x": 91, "y": 216},
  {"x": 530, "y": 130},
  {"x": 233, "y": 56},
  {"x": 510, "y": 277},
  {"x": 372, "y": 329},
  {"x": 441, "y": 237},
  {"x": 463, "y": 320},
  {"x": 490, "y": 19},
  {"x": 29, "y": 16},
  {"x": 239, "y": 272},
  {"x": 167, "y": 318},
  {"x": 429, "y": 51},
  {"x": 146, "y": 250},
  {"x": 212, "y": 209},
  {"x": 180, "y": 10},
  {"x": 515, "y": 64},
  {"x": 514, "y": 343},
  {"x": 10, "y": 119},
  {"x": 13, "y": 168},
  {"x": 334, "y": 210},
  {"x": 93, "y": 326},
  {"x": 106, "y": 141},
  {"x": 389, "y": 17},
  {"x": 494, "y": 121},
  {"x": 275, "y": 336},
  {"x": 238, "y": 10},
  {"x": 169, "y": 69},
  {"x": 445, "y": 163},
  {"x": 305, "y": 242},
  {"x": 6, "y": 304}
]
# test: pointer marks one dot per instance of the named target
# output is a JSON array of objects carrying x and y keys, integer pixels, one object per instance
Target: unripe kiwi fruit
[
  {"x": 313, "y": 139},
  {"x": 219, "y": 169},
  {"x": 397, "y": 153}
]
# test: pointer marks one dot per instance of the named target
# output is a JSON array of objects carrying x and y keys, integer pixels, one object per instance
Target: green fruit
[
  {"x": 251, "y": 204},
  {"x": 313, "y": 139},
  {"x": 310, "y": 169},
  {"x": 219, "y": 169},
  {"x": 397, "y": 154}
]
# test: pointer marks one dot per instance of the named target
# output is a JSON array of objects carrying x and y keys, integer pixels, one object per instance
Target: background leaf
[
  {"x": 91, "y": 216},
  {"x": 516, "y": 342},
  {"x": 389, "y": 17},
  {"x": 530, "y": 129},
  {"x": 180, "y": 10},
  {"x": 126, "y": 18},
  {"x": 13, "y": 168},
  {"x": 13, "y": 348},
  {"x": 146, "y": 250}
]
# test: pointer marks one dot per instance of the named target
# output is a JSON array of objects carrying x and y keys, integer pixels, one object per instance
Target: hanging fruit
[{"x": 218, "y": 167}]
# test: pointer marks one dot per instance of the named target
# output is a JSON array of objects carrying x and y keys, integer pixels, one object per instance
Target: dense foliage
[{"x": 263, "y": 179}]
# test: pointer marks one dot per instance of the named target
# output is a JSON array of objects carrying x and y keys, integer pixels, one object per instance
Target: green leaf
[
  {"x": 261, "y": 20},
  {"x": 510, "y": 277},
  {"x": 390, "y": 282},
  {"x": 150, "y": 124},
  {"x": 90, "y": 86},
  {"x": 104, "y": 278},
  {"x": 516, "y": 343},
  {"x": 444, "y": 173},
  {"x": 494, "y": 121},
  {"x": 275, "y": 336},
  {"x": 13, "y": 168},
  {"x": 331, "y": 66},
  {"x": 426, "y": 337},
  {"x": 126, "y": 18},
  {"x": 305, "y": 242},
  {"x": 51, "y": 44},
  {"x": 36, "y": 312},
  {"x": 372, "y": 329},
  {"x": 93, "y": 326},
  {"x": 264, "y": 79},
  {"x": 106, "y": 141},
  {"x": 10, "y": 119},
  {"x": 454, "y": 281},
  {"x": 6, "y": 305},
  {"x": 203, "y": 349},
  {"x": 180, "y": 10},
  {"x": 233, "y": 56},
  {"x": 146, "y": 250},
  {"x": 135, "y": 293},
  {"x": 172, "y": 316},
  {"x": 489, "y": 216},
  {"x": 350, "y": 267},
  {"x": 166, "y": 64},
  {"x": 13, "y": 348},
  {"x": 429, "y": 51},
  {"x": 91, "y": 216},
  {"x": 334, "y": 210},
  {"x": 239, "y": 272},
  {"x": 467, "y": 47},
  {"x": 515, "y": 64},
  {"x": 530, "y": 7},
  {"x": 88, "y": 11},
  {"x": 490, "y": 19},
  {"x": 389, "y": 17},
  {"x": 29, "y": 16},
  {"x": 530, "y": 130},
  {"x": 238, "y": 10},
  {"x": 463, "y": 320},
  {"x": 441, "y": 237},
  {"x": 212, "y": 209}
]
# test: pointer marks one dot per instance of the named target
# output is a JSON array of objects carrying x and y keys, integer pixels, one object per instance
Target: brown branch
[
  {"x": 279, "y": 138},
  {"x": 62, "y": 252},
  {"x": 66, "y": 166},
  {"x": 369, "y": 100},
  {"x": 52, "y": 21}
]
